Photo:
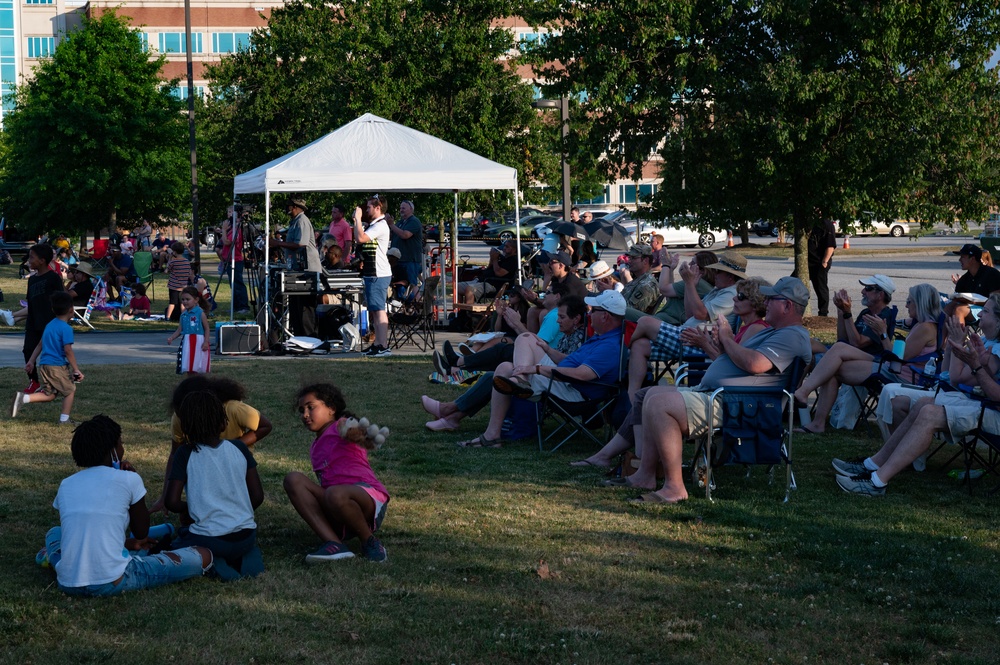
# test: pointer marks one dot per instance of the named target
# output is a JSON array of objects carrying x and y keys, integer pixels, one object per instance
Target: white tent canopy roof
[{"x": 373, "y": 154}]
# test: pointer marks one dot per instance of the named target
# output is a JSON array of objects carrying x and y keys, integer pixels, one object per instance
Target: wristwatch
[
  {"x": 883, "y": 336},
  {"x": 848, "y": 315}
]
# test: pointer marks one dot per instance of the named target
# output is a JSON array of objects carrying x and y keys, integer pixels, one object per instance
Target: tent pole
[
  {"x": 517, "y": 218},
  {"x": 454, "y": 253},
  {"x": 232, "y": 260},
  {"x": 267, "y": 265}
]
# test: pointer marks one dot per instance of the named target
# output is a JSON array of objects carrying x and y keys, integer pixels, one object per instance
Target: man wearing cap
[
  {"x": 376, "y": 273},
  {"x": 871, "y": 331},
  {"x": 502, "y": 269},
  {"x": 978, "y": 278},
  {"x": 558, "y": 267},
  {"x": 670, "y": 415},
  {"x": 80, "y": 286},
  {"x": 121, "y": 270},
  {"x": 531, "y": 371},
  {"x": 407, "y": 237},
  {"x": 644, "y": 289},
  {"x": 659, "y": 341},
  {"x": 301, "y": 254}
]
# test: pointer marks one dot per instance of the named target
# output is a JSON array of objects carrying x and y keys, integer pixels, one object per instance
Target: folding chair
[
  {"x": 757, "y": 423},
  {"x": 980, "y": 448},
  {"x": 98, "y": 300},
  {"x": 414, "y": 321},
  {"x": 143, "y": 263},
  {"x": 583, "y": 417}
]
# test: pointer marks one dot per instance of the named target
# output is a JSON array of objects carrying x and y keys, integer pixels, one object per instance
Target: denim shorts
[
  {"x": 413, "y": 270},
  {"x": 376, "y": 289},
  {"x": 142, "y": 572}
]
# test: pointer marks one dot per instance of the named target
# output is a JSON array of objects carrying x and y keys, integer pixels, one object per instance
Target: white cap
[{"x": 609, "y": 300}]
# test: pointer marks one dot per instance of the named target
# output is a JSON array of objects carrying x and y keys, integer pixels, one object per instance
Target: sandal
[
  {"x": 507, "y": 386},
  {"x": 480, "y": 442},
  {"x": 653, "y": 497}
]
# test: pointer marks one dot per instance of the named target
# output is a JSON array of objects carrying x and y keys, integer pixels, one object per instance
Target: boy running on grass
[{"x": 57, "y": 368}]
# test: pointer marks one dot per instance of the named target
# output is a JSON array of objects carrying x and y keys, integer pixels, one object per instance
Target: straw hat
[
  {"x": 733, "y": 263},
  {"x": 598, "y": 270},
  {"x": 85, "y": 268}
]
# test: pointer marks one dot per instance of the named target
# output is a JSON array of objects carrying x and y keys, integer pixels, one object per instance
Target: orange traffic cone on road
[
  {"x": 729, "y": 239},
  {"x": 847, "y": 241}
]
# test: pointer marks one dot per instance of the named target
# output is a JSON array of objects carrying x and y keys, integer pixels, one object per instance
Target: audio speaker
[{"x": 238, "y": 338}]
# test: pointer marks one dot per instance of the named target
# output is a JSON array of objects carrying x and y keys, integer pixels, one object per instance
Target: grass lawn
[{"x": 510, "y": 556}]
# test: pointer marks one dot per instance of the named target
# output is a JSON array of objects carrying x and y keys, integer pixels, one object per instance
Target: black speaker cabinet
[{"x": 238, "y": 338}]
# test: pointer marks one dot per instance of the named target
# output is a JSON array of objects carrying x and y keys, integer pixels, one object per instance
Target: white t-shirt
[
  {"x": 215, "y": 482},
  {"x": 718, "y": 302},
  {"x": 378, "y": 231},
  {"x": 93, "y": 511}
]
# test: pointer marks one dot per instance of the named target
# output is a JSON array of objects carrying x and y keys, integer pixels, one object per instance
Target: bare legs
[
  {"x": 664, "y": 417},
  {"x": 640, "y": 348},
  {"x": 911, "y": 439},
  {"x": 327, "y": 511},
  {"x": 843, "y": 363}
]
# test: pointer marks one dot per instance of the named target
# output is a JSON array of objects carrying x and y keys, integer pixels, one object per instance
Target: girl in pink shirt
[{"x": 349, "y": 500}]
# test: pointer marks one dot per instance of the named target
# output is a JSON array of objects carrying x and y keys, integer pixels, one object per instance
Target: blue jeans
[
  {"x": 478, "y": 396},
  {"x": 240, "y": 299},
  {"x": 142, "y": 572}
]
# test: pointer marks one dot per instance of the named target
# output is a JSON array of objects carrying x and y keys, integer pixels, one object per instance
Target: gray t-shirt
[
  {"x": 301, "y": 232},
  {"x": 411, "y": 249},
  {"x": 780, "y": 345},
  {"x": 718, "y": 302}
]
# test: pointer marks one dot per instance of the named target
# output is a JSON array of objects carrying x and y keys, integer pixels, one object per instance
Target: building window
[
  {"x": 626, "y": 193},
  {"x": 39, "y": 2},
  {"x": 181, "y": 91},
  {"x": 604, "y": 199},
  {"x": 175, "y": 42},
  {"x": 144, "y": 38},
  {"x": 8, "y": 63},
  {"x": 230, "y": 42},
  {"x": 41, "y": 47}
]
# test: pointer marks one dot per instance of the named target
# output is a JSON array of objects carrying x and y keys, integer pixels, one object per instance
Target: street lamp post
[{"x": 563, "y": 105}]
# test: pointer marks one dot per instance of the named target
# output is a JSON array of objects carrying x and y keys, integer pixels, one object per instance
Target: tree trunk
[
  {"x": 745, "y": 233},
  {"x": 112, "y": 221},
  {"x": 802, "y": 256}
]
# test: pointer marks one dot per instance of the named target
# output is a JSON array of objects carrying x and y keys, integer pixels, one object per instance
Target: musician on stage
[{"x": 301, "y": 255}]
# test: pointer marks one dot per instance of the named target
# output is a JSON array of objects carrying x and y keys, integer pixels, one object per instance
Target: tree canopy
[
  {"x": 791, "y": 110},
  {"x": 95, "y": 136},
  {"x": 432, "y": 65}
]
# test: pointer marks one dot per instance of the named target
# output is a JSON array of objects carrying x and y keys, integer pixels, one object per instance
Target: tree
[
  {"x": 791, "y": 110},
  {"x": 435, "y": 66},
  {"x": 94, "y": 137}
]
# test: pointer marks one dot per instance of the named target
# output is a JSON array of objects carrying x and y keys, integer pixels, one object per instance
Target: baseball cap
[
  {"x": 640, "y": 250},
  {"x": 970, "y": 250},
  {"x": 561, "y": 257},
  {"x": 881, "y": 281},
  {"x": 791, "y": 288},
  {"x": 609, "y": 300}
]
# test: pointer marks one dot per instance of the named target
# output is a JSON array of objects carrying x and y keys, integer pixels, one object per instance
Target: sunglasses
[
  {"x": 742, "y": 296},
  {"x": 871, "y": 288}
]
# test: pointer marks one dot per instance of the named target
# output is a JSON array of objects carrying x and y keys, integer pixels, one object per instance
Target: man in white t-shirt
[{"x": 373, "y": 240}]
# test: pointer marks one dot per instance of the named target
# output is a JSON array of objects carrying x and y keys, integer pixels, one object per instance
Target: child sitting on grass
[
  {"x": 95, "y": 505},
  {"x": 349, "y": 500},
  {"x": 57, "y": 368},
  {"x": 222, "y": 486},
  {"x": 140, "y": 304}
]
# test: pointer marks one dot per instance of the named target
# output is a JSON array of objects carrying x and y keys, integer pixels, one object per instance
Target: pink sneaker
[
  {"x": 431, "y": 406},
  {"x": 442, "y": 425}
]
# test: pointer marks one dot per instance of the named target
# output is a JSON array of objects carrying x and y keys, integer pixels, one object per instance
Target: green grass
[{"x": 827, "y": 578}]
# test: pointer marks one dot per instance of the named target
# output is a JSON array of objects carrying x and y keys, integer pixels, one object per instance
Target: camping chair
[
  {"x": 757, "y": 423},
  {"x": 414, "y": 321},
  {"x": 980, "y": 448},
  {"x": 583, "y": 417},
  {"x": 98, "y": 300},
  {"x": 143, "y": 263}
]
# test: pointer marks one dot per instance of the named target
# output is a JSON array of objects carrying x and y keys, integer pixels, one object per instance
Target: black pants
[
  {"x": 302, "y": 315},
  {"x": 818, "y": 275},
  {"x": 488, "y": 359},
  {"x": 31, "y": 340}
]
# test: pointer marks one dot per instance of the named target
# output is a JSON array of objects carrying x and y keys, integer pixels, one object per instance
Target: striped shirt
[{"x": 180, "y": 273}]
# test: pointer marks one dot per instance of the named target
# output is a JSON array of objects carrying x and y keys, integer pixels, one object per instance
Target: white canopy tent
[{"x": 372, "y": 154}]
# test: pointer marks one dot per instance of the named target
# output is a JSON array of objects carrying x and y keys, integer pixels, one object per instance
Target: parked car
[
  {"x": 496, "y": 235},
  {"x": 466, "y": 231},
  {"x": 683, "y": 236},
  {"x": 896, "y": 228},
  {"x": 764, "y": 228},
  {"x": 12, "y": 240}
]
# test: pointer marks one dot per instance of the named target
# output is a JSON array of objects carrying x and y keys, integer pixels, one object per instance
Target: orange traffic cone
[
  {"x": 729, "y": 239},
  {"x": 847, "y": 241}
]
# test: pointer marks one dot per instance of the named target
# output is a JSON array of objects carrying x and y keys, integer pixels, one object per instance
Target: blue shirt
[
  {"x": 191, "y": 321},
  {"x": 125, "y": 263},
  {"x": 57, "y": 334},
  {"x": 601, "y": 353}
]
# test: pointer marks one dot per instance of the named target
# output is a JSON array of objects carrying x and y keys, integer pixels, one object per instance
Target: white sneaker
[
  {"x": 16, "y": 406},
  {"x": 7, "y": 316}
]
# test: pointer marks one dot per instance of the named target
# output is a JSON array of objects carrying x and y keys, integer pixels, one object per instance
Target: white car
[
  {"x": 897, "y": 228},
  {"x": 685, "y": 236}
]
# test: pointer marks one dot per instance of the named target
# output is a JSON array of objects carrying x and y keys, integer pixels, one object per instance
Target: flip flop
[
  {"x": 805, "y": 430},
  {"x": 616, "y": 482},
  {"x": 480, "y": 442},
  {"x": 508, "y": 386},
  {"x": 584, "y": 463},
  {"x": 652, "y": 497}
]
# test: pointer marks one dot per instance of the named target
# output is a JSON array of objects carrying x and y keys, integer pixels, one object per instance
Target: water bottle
[{"x": 930, "y": 369}]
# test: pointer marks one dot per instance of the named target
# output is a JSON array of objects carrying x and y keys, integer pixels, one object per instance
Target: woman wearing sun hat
[
  {"x": 80, "y": 285},
  {"x": 600, "y": 277}
]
